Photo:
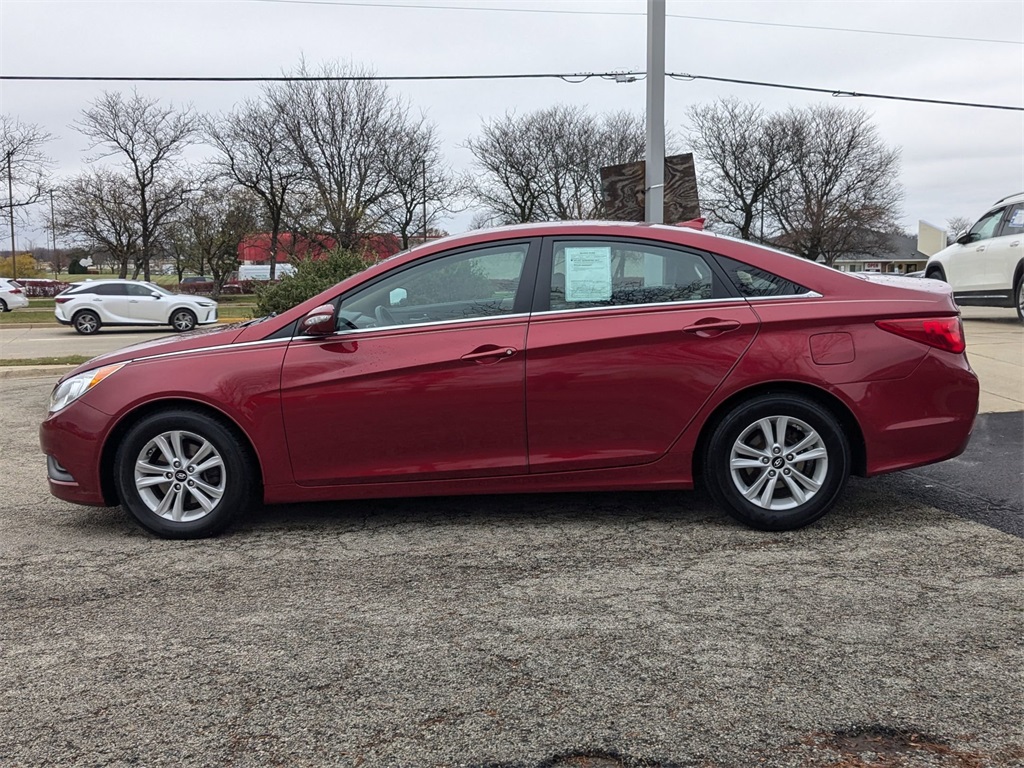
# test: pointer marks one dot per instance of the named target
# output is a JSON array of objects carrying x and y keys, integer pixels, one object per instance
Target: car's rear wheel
[
  {"x": 777, "y": 462},
  {"x": 3, "y": 306},
  {"x": 183, "y": 475},
  {"x": 183, "y": 320},
  {"x": 86, "y": 322}
]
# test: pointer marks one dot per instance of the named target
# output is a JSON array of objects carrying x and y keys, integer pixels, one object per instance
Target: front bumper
[{"x": 70, "y": 439}]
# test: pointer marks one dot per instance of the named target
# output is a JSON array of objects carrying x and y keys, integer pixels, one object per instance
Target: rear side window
[
  {"x": 111, "y": 289},
  {"x": 753, "y": 282},
  {"x": 595, "y": 273}
]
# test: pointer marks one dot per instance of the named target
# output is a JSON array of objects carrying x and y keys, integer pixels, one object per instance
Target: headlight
[{"x": 65, "y": 393}]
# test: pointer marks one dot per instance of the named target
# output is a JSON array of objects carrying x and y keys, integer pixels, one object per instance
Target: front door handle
[
  {"x": 489, "y": 353},
  {"x": 711, "y": 326}
]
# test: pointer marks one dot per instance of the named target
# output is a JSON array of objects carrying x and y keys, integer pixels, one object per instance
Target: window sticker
[
  {"x": 1017, "y": 219},
  {"x": 588, "y": 274}
]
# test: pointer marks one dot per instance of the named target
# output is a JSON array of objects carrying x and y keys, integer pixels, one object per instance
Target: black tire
[
  {"x": 776, "y": 478},
  {"x": 183, "y": 320},
  {"x": 181, "y": 501},
  {"x": 1018, "y": 296},
  {"x": 86, "y": 322},
  {"x": 936, "y": 273},
  {"x": 3, "y": 306}
]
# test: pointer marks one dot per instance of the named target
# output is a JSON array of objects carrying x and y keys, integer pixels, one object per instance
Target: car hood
[{"x": 185, "y": 342}]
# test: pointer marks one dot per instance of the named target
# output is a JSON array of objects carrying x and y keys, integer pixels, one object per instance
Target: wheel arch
[
  {"x": 131, "y": 418},
  {"x": 839, "y": 409}
]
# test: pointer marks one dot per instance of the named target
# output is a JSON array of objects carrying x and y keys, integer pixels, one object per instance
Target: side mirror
[
  {"x": 965, "y": 238},
  {"x": 155, "y": 295},
  {"x": 318, "y": 322}
]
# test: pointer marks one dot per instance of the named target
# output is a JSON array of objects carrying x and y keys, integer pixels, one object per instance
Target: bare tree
[
  {"x": 209, "y": 228},
  {"x": 255, "y": 153},
  {"x": 147, "y": 140},
  {"x": 742, "y": 153},
  {"x": 21, "y": 147},
  {"x": 340, "y": 131},
  {"x": 840, "y": 194},
  {"x": 95, "y": 210},
  {"x": 424, "y": 186},
  {"x": 547, "y": 164},
  {"x": 956, "y": 226},
  {"x": 25, "y": 169}
]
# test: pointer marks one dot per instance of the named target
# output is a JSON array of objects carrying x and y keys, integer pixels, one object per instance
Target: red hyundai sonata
[{"x": 552, "y": 357}]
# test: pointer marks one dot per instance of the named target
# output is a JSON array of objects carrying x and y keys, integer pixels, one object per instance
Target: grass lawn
[{"x": 66, "y": 360}]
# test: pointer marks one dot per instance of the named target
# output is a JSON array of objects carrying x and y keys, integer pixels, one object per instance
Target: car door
[
  {"x": 424, "y": 379},
  {"x": 971, "y": 269},
  {"x": 631, "y": 338},
  {"x": 1005, "y": 251},
  {"x": 111, "y": 300},
  {"x": 147, "y": 305}
]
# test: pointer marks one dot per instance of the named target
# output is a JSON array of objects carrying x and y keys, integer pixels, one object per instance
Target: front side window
[
  {"x": 986, "y": 227},
  {"x": 594, "y": 273},
  {"x": 461, "y": 286}
]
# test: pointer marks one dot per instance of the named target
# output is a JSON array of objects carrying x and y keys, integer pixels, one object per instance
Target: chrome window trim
[
  {"x": 402, "y": 326},
  {"x": 687, "y": 302}
]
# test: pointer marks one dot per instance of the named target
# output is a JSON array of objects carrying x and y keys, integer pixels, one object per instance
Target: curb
[{"x": 34, "y": 371}]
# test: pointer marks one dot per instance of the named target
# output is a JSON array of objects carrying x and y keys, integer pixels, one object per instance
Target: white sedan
[{"x": 90, "y": 305}]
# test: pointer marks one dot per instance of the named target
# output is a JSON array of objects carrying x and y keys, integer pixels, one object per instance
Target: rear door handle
[
  {"x": 712, "y": 326},
  {"x": 489, "y": 353}
]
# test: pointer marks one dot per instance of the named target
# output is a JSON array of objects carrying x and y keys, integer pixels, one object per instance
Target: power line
[
  {"x": 566, "y": 12},
  {"x": 574, "y": 78}
]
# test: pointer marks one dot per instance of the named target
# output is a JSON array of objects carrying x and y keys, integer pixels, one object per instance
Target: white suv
[
  {"x": 12, "y": 295},
  {"x": 985, "y": 266},
  {"x": 88, "y": 306}
]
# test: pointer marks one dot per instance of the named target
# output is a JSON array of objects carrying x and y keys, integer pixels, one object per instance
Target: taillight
[
  {"x": 945, "y": 333},
  {"x": 60, "y": 300},
  {"x": 15, "y": 290}
]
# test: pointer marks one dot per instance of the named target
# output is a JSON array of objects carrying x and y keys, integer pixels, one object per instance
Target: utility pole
[
  {"x": 424, "y": 200},
  {"x": 654, "y": 184},
  {"x": 54, "y": 259},
  {"x": 10, "y": 203}
]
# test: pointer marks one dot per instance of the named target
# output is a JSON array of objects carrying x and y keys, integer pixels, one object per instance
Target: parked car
[
  {"x": 12, "y": 295},
  {"x": 985, "y": 265},
  {"x": 191, "y": 279},
  {"x": 553, "y": 357},
  {"x": 90, "y": 305}
]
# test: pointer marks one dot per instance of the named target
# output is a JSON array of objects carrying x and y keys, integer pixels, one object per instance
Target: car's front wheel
[
  {"x": 183, "y": 320},
  {"x": 777, "y": 462},
  {"x": 1019, "y": 295},
  {"x": 183, "y": 475},
  {"x": 86, "y": 322}
]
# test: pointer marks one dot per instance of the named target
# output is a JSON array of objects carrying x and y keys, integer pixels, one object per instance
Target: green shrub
[{"x": 310, "y": 278}]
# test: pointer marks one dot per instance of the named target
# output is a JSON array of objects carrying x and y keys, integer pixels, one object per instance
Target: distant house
[
  {"x": 254, "y": 250},
  {"x": 900, "y": 258}
]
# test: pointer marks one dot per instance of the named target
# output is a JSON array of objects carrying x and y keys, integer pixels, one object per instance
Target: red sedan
[{"x": 552, "y": 357}]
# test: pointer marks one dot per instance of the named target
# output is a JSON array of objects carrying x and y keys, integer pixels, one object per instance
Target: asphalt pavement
[{"x": 583, "y": 630}]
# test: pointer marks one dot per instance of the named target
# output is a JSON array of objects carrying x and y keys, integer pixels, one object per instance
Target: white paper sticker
[
  {"x": 588, "y": 274},
  {"x": 1017, "y": 220}
]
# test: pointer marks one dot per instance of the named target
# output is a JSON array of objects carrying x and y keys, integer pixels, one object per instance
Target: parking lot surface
[{"x": 577, "y": 630}]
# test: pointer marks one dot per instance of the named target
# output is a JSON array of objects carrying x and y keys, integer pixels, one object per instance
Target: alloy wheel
[
  {"x": 778, "y": 463},
  {"x": 180, "y": 476}
]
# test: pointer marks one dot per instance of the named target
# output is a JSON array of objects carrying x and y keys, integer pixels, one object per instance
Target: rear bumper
[{"x": 922, "y": 419}]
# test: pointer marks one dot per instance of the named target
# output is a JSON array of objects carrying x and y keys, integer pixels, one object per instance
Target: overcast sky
[{"x": 956, "y": 160}]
